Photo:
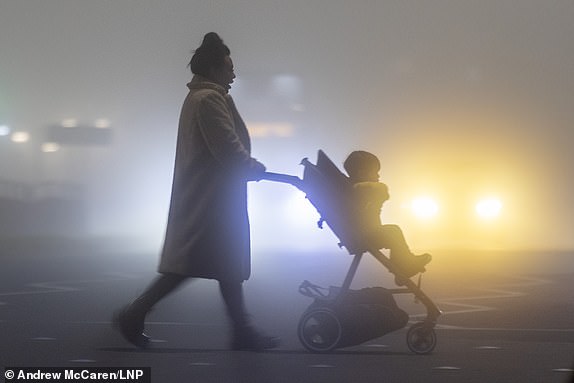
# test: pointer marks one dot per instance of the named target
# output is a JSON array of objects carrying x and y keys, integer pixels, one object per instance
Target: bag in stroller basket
[{"x": 350, "y": 319}]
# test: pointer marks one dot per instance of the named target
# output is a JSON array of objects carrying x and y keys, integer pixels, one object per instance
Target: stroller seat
[{"x": 331, "y": 192}]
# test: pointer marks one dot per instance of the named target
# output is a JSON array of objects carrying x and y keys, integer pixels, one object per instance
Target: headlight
[
  {"x": 424, "y": 207},
  {"x": 488, "y": 208}
]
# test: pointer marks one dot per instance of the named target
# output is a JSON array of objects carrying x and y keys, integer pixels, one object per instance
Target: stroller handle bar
[{"x": 283, "y": 178}]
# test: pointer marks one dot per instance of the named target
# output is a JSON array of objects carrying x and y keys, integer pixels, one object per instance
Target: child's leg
[{"x": 391, "y": 237}]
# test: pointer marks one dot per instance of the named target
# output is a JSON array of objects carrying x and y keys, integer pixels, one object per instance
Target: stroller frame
[{"x": 328, "y": 189}]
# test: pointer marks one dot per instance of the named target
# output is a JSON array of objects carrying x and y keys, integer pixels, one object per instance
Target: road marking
[
  {"x": 511, "y": 329},
  {"x": 488, "y": 348},
  {"x": 44, "y": 288},
  {"x": 43, "y": 339},
  {"x": 107, "y": 323},
  {"x": 83, "y": 361},
  {"x": 501, "y": 292},
  {"x": 562, "y": 370},
  {"x": 183, "y": 324},
  {"x": 377, "y": 345},
  {"x": 321, "y": 366},
  {"x": 446, "y": 368},
  {"x": 63, "y": 286},
  {"x": 201, "y": 364}
]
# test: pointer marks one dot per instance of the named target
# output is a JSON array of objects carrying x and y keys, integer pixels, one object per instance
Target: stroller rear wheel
[
  {"x": 319, "y": 330},
  {"x": 421, "y": 338}
]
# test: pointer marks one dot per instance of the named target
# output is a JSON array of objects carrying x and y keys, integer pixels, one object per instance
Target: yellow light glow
[
  {"x": 424, "y": 207},
  {"x": 274, "y": 129},
  {"x": 488, "y": 208}
]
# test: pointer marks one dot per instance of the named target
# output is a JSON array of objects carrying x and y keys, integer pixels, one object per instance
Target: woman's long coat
[{"x": 207, "y": 233}]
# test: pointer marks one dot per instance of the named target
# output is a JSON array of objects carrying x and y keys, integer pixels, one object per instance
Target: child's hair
[{"x": 360, "y": 161}]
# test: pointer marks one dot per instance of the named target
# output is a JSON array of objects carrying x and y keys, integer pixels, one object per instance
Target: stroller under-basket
[{"x": 341, "y": 317}]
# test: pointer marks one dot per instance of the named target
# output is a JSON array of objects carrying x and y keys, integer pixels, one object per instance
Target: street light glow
[
  {"x": 20, "y": 137},
  {"x": 50, "y": 147},
  {"x": 102, "y": 123},
  {"x": 4, "y": 130},
  {"x": 70, "y": 123}
]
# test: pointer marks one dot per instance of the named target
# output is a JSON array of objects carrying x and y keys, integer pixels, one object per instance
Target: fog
[{"x": 460, "y": 100}]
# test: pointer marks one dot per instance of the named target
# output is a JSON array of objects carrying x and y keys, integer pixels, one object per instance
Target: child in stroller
[
  {"x": 370, "y": 194},
  {"x": 344, "y": 317}
]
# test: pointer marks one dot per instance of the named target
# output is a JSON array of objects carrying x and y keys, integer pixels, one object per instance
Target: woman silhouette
[{"x": 207, "y": 232}]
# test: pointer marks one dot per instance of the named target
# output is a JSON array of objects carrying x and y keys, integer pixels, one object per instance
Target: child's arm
[
  {"x": 372, "y": 192},
  {"x": 382, "y": 191}
]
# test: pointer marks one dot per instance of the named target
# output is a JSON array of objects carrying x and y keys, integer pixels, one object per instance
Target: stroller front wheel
[
  {"x": 319, "y": 330},
  {"x": 421, "y": 338}
]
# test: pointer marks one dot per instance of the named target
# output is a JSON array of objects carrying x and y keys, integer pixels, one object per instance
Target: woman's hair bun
[
  {"x": 210, "y": 54},
  {"x": 211, "y": 39}
]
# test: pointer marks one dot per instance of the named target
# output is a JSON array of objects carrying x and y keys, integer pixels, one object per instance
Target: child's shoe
[
  {"x": 421, "y": 260},
  {"x": 414, "y": 264}
]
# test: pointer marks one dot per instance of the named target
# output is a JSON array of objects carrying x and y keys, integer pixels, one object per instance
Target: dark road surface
[{"x": 501, "y": 322}]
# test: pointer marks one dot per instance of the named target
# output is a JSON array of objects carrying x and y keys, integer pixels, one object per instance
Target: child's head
[{"x": 362, "y": 166}]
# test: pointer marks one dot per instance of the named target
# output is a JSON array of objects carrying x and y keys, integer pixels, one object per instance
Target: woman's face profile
[{"x": 224, "y": 75}]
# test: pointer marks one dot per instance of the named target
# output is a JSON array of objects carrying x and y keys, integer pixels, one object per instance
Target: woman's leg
[
  {"x": 130, "y": 319},
  {"x": 245, "y": 337},
  {"x": 232, "y": 293},
  {"x": 156, "y": 291}
]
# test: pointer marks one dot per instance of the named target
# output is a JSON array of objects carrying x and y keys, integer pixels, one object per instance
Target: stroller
[{"x": 341, "y": 317}]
